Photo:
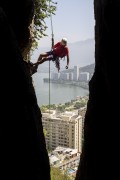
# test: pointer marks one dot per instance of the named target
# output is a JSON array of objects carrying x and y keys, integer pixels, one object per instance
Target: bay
[{"x": 55, "y": 93}]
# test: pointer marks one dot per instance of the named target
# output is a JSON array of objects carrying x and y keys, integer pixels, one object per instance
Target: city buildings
[
  {"x": 75, "y": 75},
  {"x": 84, "y": 76},
  {"x": 63, "y": 129},
  {"x": 64, "y": 158}
]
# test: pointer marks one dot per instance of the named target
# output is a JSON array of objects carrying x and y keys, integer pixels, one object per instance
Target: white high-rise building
[
  {"x": 64, "y": 76},
  {"x": 71, "y": 76},
  {"x": 84, "y": 76},
  {"x": 54, "y": 76},
  {"x": 76, "y": 73},
  {"x": 64, "y": 130}
]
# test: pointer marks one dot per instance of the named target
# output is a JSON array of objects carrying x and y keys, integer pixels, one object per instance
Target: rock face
[
  {"x": 101, "y": 129},
  {"x": 23, "y": 153}
]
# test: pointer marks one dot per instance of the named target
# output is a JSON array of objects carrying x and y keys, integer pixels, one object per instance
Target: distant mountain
[
  {"x": 81, "y": 53},
  {"x": 88, "y": 68}
]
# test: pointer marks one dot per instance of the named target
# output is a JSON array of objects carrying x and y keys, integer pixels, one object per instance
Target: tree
[
  {"x": 56, "y": 174},
  {"x": 80, "y": 104},
  {"x": 61, "y": 108},
  {"x": 43, "y": 108},
  {"x": 67, "y": 103},
  {"x": 43, "y": 9},
  {"x": 45, "y": 132}
]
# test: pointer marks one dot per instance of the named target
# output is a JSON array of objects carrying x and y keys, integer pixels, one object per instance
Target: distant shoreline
[{"x": 67, "y": 82}]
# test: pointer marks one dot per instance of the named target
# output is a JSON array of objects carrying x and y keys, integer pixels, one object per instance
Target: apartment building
[
  {"x": 76, "y": 73},
  {"x": 63, "y": 129},
  {"x": 84, "y": 76},
  {"x": 64, "y": 158}
]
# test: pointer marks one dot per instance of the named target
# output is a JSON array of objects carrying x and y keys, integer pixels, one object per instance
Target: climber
[{"x": 59, "y": 50}]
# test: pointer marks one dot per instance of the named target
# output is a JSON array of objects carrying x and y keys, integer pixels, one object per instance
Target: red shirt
[{"x": 60, "y": 50}]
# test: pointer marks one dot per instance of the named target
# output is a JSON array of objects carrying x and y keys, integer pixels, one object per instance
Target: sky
[{"x": 74, "y": 20}]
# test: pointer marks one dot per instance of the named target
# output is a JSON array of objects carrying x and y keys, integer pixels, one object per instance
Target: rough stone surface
[
  {"x": 23, "y": 153},
  {"x": 100, "y": 154}
]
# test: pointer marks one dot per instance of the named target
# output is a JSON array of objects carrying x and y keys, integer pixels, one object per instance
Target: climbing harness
[{"x": 57, "y": 63}]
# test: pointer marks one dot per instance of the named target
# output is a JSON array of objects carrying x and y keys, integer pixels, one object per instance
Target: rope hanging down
[
  {"x": 51, "y": 49},
  {"x": 51, "y": 27}
]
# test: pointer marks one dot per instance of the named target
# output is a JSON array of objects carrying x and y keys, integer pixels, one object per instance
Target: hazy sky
[{"x": 74, "y": 20}]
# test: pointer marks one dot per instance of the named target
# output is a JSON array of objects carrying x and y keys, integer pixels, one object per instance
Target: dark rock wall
[
  {"x": 20, "y": 14},
  {"x": 100, "y": 155},
  {"x": 23, "y": 153}
]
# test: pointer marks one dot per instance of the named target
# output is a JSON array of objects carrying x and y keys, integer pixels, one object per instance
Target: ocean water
[{"x": 55, "y": 93}]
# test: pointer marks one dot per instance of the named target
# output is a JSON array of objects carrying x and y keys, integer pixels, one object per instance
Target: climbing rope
[{"x": 51, "y": 49}]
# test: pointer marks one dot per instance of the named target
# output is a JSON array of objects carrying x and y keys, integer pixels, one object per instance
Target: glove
[{"x": 66, "y": 67}]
